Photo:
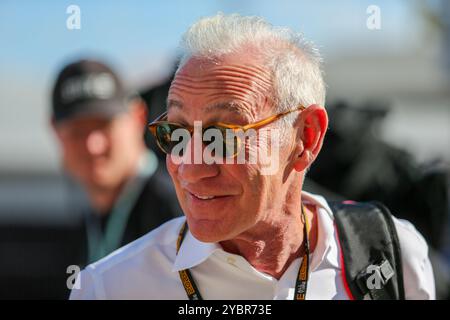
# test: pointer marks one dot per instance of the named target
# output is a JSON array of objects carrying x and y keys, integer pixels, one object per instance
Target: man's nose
[
  {"x": 192, "y": 173},
  {"x": 96, "y": 142}
]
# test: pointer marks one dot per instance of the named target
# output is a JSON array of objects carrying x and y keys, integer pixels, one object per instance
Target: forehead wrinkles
[{"x": 237, "y": 80}]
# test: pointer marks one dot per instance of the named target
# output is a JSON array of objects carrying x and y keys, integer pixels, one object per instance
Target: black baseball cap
[{"x": 88, "y": 87}]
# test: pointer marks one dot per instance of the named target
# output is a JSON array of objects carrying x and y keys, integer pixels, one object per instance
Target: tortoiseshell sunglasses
[{"x": 162, "y": 130}]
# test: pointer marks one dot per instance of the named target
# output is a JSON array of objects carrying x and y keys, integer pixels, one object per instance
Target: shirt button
[{"x": 231, "y": 260}]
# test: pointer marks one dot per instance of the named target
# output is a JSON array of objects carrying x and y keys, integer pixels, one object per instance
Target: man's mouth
[
  {"x": 203, "y": 197},
  {"x": 207, "y": 197}
]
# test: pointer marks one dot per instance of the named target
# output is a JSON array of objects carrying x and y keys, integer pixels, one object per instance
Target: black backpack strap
[{"x": 370, "y": 251}]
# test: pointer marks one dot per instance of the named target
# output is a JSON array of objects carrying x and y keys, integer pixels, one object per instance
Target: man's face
[
  {"x": 98, "y": 151},
  {"x": 243, "y": 197}
]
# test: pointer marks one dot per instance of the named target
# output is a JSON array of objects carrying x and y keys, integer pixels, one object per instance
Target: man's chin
[{"x": 206, "y": 230}]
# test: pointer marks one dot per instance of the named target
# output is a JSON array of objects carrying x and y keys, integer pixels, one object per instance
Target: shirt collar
[
  {"x": 193, "y": 252},
  {"x": 326, "y": 249}
]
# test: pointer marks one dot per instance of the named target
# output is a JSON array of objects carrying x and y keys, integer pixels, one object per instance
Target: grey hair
[{"x": 294, "y": 63}]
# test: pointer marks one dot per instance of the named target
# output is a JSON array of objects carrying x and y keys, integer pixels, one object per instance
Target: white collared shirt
[{"x": 148, "y": 267}]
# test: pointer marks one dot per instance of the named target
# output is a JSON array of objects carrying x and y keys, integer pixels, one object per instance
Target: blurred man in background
[{"x": 100, "y": 131}]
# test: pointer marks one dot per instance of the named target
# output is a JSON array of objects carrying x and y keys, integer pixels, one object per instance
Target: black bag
[{"x": 370, "y": 251}]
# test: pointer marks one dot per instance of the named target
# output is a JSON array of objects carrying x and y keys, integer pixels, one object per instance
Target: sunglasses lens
[
  {"x": 167, "y": 140},
  {"x": 164, "y": 134},
  {"x": 232, "y": 146},
  {"x": 230, "y": 142}
]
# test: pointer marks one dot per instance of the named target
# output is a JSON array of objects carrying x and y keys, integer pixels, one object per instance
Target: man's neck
[
  {"x": 273, "y": 247},
  {"x": 104, "y": 198}
]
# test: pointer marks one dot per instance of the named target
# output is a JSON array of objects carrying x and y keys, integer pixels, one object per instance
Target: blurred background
[{"x": 388, "y": 99}]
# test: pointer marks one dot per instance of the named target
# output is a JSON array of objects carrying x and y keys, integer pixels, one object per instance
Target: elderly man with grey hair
[{"x": 249, "y": 234}]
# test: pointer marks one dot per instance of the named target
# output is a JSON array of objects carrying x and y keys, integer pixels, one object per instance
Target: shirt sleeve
[
  {"x": 84, "y": 288},
  {"x": 418, "y": 275}
]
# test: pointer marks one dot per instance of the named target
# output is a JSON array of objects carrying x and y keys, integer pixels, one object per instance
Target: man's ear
[{"x": 312, "y": 125}]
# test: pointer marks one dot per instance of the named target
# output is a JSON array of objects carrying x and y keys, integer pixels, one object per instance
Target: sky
[{"x": 133, "y": 34}]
